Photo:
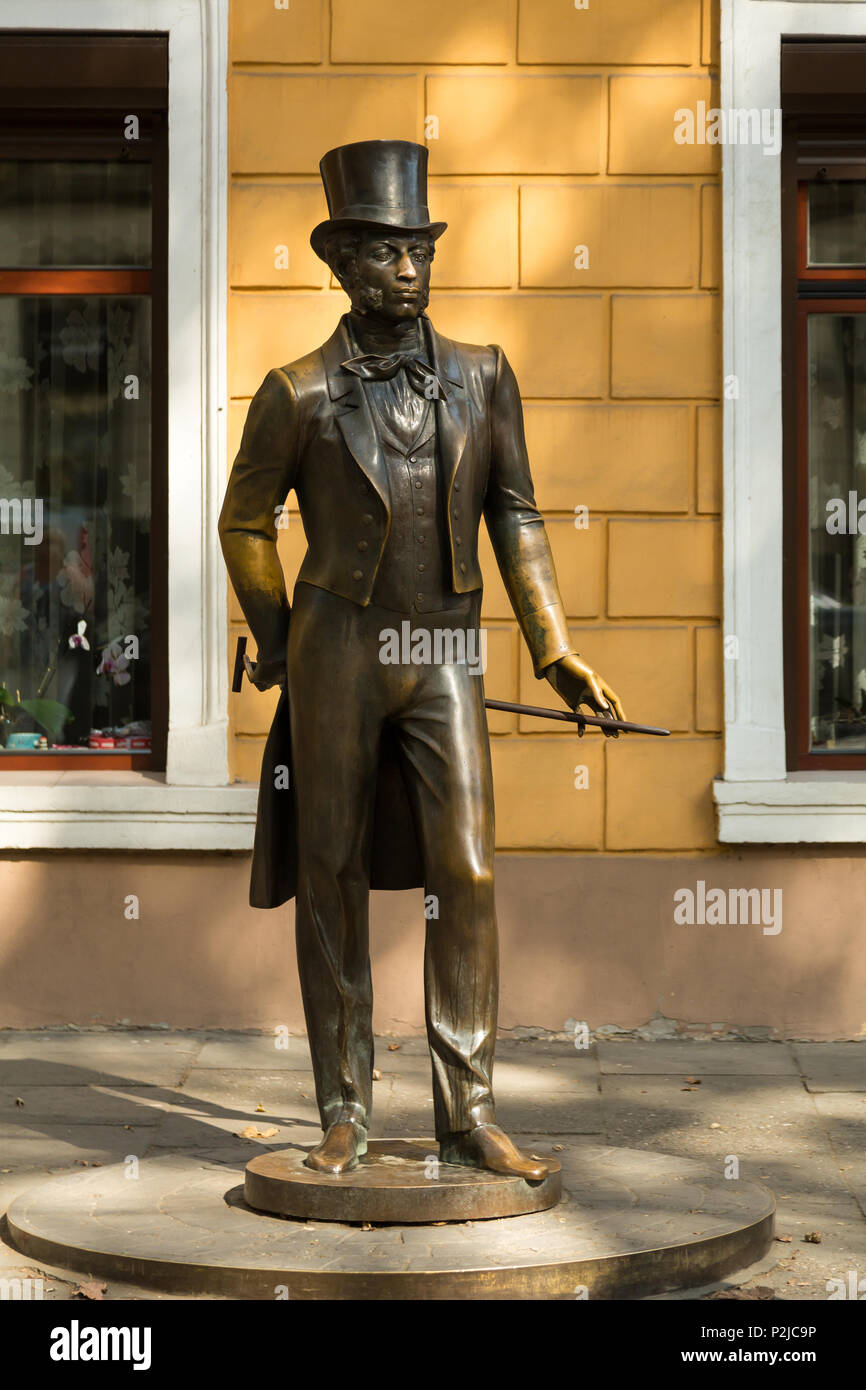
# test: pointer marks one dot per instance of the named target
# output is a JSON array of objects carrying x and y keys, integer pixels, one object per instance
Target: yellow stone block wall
[{"x": 553, "y": 131}]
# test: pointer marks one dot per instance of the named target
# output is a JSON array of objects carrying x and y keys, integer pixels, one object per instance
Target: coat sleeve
[
  {"x": 516, "y": 528},
  {"x": 261, "y": 478}
]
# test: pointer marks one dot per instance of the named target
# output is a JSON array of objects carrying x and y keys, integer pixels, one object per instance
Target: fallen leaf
[
  {"x": 784, "y": 1240},
  {"x": 18, "y": 1100},
  {"x": 253, "y": 1132},
  {"x": 688, "y": 1088},
  {"x": 90, "y": 1289},
  {"x": 813, "y": 1237},
  {"x": 693, "y": 1080},
  {"x": 82, "y": 1162},
  {"x": 558, "y": 1148},
  {"x": 377, "y": 1075},
  {"x": 394, "y": 1047},
  {"x": 260, "y": 1109},
  {"x": 715, "y": 1125}
]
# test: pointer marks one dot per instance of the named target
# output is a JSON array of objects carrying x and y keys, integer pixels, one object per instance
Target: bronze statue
[{"x": 396, "y": 441}]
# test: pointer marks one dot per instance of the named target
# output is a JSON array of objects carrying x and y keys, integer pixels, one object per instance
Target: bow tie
[{"x": 421, "y": 376}]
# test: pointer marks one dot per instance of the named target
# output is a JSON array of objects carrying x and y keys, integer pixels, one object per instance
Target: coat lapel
[
  {"x": 352, "y": 413},
  {"x": 452, "y": 415}
]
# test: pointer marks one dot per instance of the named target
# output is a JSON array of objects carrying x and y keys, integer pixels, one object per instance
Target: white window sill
[
  {"x": 122, "y": 810},
  {"x": 804, "y": 808}
]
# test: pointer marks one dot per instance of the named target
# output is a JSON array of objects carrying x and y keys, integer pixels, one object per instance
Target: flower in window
[
  {"x": 78, "y": 638},
  {"x": 114, "y": 664},
  {"x": 14, "y": 374},
  {"x": 76, "y": 578},
  {"x": 13, "y": 615}
]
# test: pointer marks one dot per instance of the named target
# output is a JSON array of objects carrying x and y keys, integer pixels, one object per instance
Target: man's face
[{"x": 393, "y": 276}]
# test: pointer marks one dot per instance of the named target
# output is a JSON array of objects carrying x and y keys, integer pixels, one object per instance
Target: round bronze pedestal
[
  {"x": 398, "y": 1180},
  {"x": 630, "y": 1223}
]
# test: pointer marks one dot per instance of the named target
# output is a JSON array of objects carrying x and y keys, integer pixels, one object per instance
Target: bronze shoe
[
  {"x": 341, "y": 1147},
  {"x": 488, "y": 1146}
]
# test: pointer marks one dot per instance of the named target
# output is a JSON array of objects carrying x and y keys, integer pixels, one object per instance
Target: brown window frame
[{"x": 52, "y": 84}]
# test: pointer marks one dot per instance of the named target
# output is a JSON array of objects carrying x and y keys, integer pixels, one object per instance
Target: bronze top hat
[{"x": 375, "y": 183}]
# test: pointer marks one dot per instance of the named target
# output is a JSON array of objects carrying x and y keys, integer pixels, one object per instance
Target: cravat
[{"x": 370, "y": 366}]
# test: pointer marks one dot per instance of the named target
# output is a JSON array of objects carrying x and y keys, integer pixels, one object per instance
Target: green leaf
[{"x": 49, "y": 714}]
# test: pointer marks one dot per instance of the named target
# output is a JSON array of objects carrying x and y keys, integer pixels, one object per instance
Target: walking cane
[{"x": 243, "y": 663}]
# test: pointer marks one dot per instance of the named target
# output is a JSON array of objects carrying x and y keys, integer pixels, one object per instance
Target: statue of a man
[{"x": 377, "y": 773}]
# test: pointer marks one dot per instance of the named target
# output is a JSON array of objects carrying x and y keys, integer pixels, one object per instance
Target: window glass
[
  {"x": 837, "y": 561},
  {"x": 74, "y": 213},
  {"x": 837, "y": 223},
  {"x": 75, "y": 521}
]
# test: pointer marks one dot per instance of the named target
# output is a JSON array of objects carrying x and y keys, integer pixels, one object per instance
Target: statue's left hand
[{"x": 578, "y": 684}]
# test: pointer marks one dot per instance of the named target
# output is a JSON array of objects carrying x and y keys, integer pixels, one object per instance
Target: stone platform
[
  {"x": 630, "y": 1224},
  {"x": 398, "y": 1181}
]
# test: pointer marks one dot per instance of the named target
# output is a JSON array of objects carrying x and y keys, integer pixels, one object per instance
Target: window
[
  {"x": 807, "y": 59},
  {"x": 83, "y": 145},
  {"x": 824, "y": 342}
]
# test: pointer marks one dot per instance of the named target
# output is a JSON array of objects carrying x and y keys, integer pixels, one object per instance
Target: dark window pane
[
  {"x": 74, "y": 214},
  {"x": 75, "y": 521},
  {"x": 837, "y": 483},
  {"x": 837, "y": 224}
]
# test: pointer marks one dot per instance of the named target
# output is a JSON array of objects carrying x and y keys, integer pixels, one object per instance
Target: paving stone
[
  {"x": 686, "y": 1058},
  {"x": 82, "y": 1105},
  {"x": 256, "y": 1051},
  {"x": 769, "y": 1124},
  {"x": 79, "y": 1059},
  {"x": 61, "y": 1146},
  {"x": 832, "y": 1066},
  {"x": 844, "y": 1115},
  {"x": 187, "y": 1095},
  {"x": 544, "y": 1098}
]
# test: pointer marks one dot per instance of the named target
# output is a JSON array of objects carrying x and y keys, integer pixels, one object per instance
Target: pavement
[{"x": 792, "y": 1115}]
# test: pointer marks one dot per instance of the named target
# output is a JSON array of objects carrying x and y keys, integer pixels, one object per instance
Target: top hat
[{"x": 375, "y": 183}]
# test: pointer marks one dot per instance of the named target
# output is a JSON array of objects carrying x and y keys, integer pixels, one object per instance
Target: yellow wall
[{"x": 555, "y": 131}]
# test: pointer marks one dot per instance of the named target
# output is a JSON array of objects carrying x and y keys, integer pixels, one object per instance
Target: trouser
[{"x": 341, "y": 697}]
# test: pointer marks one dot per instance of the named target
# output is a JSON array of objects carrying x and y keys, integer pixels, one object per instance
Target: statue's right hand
[{"x": 266, "y": 673}]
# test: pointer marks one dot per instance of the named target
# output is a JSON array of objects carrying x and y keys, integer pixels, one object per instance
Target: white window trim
[
  {"x": 191, "y": 806},
  {"x": 758, "y": 800}
]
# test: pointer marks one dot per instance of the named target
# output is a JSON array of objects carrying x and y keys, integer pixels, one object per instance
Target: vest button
[
  {"x": 418, "y": 484},
  {"x": 462, "y": 566},
  {"x": 367, "y": 519},
  {"x": 362, "y": 545},
  {"x": 457, "y": 540},
  {"x": 420, "y": 569},
  {"x": 357, "y": 574},
  {"x": 420, "y": 598},
  {"x": 456, "y": 487}
]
